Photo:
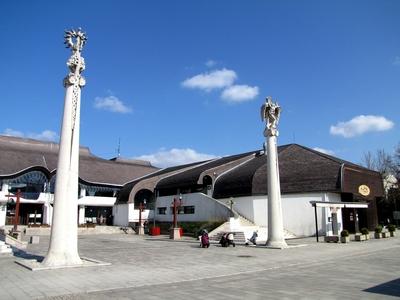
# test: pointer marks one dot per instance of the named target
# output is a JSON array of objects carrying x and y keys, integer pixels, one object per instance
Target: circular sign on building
[{"x": 364, "y": 190}]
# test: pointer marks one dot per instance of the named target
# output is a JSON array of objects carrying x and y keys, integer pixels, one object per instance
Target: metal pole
[
  {"x": 140, "y": 214},
  {"x": 316, "y": 222},
  {"x": 174, "y": 220},
  {"x": 154, "y": 209},
  {"x": 17, "y": 211}
]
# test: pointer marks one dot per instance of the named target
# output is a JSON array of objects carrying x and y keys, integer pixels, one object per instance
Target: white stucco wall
[
  {"x": 298, "y": 214},
  {"x": 3, "y": 208},
  {"x": 121, "y": 214},
  {"x": 97, "y": 201},
  {"x": 206, "y": 209}
]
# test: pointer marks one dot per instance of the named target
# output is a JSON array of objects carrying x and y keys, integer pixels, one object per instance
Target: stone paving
[{"x": 158, "y": 268}]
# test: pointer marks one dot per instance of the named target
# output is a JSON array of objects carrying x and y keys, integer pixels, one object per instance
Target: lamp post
[
  {"x": 17, "y": 195},
  {"x": 175, "y": 231},
  {"x": 16, "y": 217},
  {"x": 142, "y": 206}
]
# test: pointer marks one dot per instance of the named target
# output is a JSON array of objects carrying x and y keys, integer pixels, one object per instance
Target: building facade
[
  {"x": 236, "y": 186},
  {"x": 30, "y": 166}
]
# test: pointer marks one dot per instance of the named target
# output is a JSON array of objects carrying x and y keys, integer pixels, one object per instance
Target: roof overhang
[{"x": 339, "y": 204}]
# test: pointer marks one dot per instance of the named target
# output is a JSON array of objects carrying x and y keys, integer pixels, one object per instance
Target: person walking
[{"x": 253, "y": 238}]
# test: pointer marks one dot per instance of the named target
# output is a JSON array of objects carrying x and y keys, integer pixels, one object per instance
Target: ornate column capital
[
  {"x": 270, "y": 113},
  {"x": 75, "y": 39}
]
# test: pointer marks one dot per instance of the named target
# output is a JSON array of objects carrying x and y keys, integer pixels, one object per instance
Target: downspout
[{"x": 341, "y": 177}]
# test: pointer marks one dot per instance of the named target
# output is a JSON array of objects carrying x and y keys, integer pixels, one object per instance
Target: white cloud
[
  {"x": 208, "y": 81},
  {"x": 360, "y": 125},
  {"x": 322, "y": 150},
  {"x": 210, "y": 63},
  {"x": 166, "y": 158},
  {"x": 12, "y": 132},
  {"x": 396, "y": 61},
  {"x": 111, "y": 103},
  {"x": 239, "y": 93},
  {"x": 46, "y": 135}
]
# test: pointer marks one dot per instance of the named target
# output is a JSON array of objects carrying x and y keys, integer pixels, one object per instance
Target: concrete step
[
  {"x": 238, "y": 236},
  {"x": 4, "y": 248}
]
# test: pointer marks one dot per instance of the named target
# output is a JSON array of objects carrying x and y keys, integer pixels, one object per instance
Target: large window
[
  {"x": 186, "y": 210},
  {"x": 162, "y": 210}
]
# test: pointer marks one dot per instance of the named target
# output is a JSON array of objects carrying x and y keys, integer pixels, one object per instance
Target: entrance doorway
[{"x": 354, "y": 219}]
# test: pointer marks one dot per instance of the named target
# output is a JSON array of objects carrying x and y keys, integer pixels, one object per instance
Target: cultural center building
[{"x": 317, "y": 189}]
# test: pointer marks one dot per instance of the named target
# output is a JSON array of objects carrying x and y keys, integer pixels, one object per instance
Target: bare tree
[
  {"x": 380, "y": 161},
  {"x": 396, "y": 162},
  {"x": 368, "y": 160}
]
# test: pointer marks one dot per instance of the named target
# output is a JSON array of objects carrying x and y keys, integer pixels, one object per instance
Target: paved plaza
[{"x": 158, "y": 268}]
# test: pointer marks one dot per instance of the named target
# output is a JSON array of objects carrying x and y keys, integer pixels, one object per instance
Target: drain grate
[{"x": 245, "y": 256}]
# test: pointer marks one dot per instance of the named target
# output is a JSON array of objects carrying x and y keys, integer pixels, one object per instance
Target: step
[
  {"x": 238, "y": 236},
  {"x": 4, "y": 248},
  {"x": 6, "y": 251}
]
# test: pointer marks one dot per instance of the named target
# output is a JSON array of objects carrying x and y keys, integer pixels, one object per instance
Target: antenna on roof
[{"x": 119, "y": 148}]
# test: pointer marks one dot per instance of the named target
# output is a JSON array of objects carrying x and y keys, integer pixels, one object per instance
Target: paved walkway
[{"x": 158, "y": 268}]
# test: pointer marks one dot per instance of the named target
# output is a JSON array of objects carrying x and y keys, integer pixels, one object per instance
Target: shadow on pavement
[
  {"x": 390, "y": 288},
  {"x": 25, "y": 255}
]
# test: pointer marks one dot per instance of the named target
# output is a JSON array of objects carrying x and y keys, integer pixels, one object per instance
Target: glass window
[
  {"x": 161, "y": 210},
  {"x": 188, "y": 209}
]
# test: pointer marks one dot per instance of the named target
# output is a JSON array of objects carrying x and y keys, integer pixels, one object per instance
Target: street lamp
[
  {"x": 175, "y": 231},
  {"x": 142, "y": 206},
  {"x": 18, "y": 196}
]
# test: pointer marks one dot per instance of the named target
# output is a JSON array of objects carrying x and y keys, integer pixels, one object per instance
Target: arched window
[{"x": 144, "y": 196}]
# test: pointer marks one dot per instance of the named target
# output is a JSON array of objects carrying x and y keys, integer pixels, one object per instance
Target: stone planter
[
  {"x": 345, "y": 239},
  {"x": 360, "y": 237},
  {"x": 367, "y": 236},
  {"x": 392, "y": 233},
  {"x": 378, "y": 235},
  {"x": 385, "y": 234},
  {"x": 331, "y": 238}
]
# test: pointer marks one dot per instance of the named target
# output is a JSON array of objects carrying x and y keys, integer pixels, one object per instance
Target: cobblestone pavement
[{"x": 158, "y": 268}]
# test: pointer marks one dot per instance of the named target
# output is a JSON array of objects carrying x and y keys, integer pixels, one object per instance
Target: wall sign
[{"x": 364, "y": 190}]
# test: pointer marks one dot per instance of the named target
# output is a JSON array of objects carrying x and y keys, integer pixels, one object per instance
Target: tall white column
[
  {"x": 270, "y": 112},
  {"x": 63, "y": 249}
]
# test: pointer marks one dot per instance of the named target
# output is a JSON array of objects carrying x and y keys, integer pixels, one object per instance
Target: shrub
[
  {"x": 364, "y": 231},
  {"x": 391, "y": 228},
  {"x": 378, "y": 229},
  {"x": 344, "y": 233}
]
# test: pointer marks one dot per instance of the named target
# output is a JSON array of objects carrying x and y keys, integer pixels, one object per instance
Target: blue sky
[{"x": 182, "y": 80}]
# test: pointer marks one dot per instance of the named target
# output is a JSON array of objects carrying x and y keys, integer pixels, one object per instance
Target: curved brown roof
[
  {"x": 125, "y": 193},
  {"x": 190, "y": 177},
  {"x": 19, "y": 155},
  {"x": 301, "y": 170}
]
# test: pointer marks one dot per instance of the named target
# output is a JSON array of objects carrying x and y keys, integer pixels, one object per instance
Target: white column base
[
  {"x": 141, "y": 230},
  {"x": 277, "y": 244},
  {"x": 175, "y": 234}
]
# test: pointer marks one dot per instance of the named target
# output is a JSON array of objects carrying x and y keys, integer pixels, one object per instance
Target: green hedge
[
  {"x": 378, "y": 229},
  {"x": 344, "y": 233}
]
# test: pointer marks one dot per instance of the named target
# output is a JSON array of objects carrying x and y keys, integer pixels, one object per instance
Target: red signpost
[
  {"x": 175, "y": 232},
  {"x": 176, "y": 204},
  {"x": 141, "y": 209},
  {"x": 16, "y": 218}
]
